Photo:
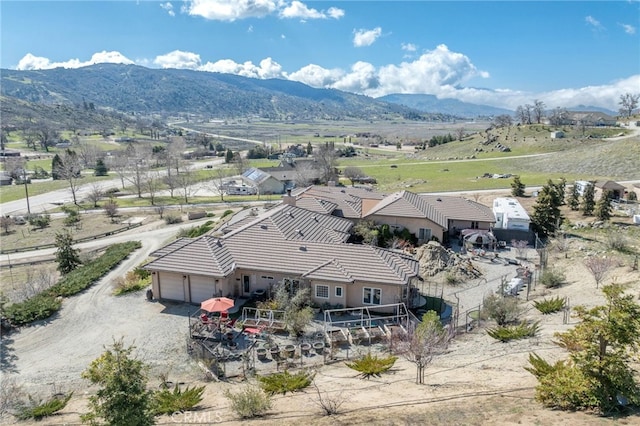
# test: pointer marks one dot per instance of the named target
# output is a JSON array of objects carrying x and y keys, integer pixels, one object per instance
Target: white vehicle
[{"x": 240, "y": 190}]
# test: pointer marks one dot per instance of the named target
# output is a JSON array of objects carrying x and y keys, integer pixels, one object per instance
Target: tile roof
[
  {"x": 437, "y": 208},
  {"x": 288, "y": 240},
  {"x": 348, "y": 200}
]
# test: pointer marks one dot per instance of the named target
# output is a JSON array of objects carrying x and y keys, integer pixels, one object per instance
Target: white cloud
[
  {"x": 363, "y": 37},
  {"x": 32, "y": 62},
  {"x": 409, "y": 47},
  {"x": 178, "y": 59},
  {"x": 593, "y": 22},
  {"x": 168, "y": 7},
  {"x": 316, "y": 76},
  {"x": 629, "y": 29},
  {"x": 231, "y": 10},
  {"x": 268, "y": 68}
]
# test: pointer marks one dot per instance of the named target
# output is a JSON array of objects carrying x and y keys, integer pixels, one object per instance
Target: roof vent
[
  {"x": 303, "y": 248},
  {"x": 438, "y": 199},
  {"x": 263, "y": 226}
]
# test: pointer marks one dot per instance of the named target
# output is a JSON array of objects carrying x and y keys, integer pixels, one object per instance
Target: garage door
[
  {"x": 202, "y": 288},
  {"x": 171, "y": 287}
]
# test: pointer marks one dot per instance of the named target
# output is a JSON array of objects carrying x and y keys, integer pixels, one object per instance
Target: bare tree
[
  {"x": 460, "y": 132},
  {"x": 46, "y": 135},
  {"x": 307, "y": 173},
  {"x": 217, "y": 183},
  {"x": 95, "y": 193},
  {"x": 559, "y": 116},
  {"x": 538, "y": 111},
  {"x": 353, "y": 173},
  {"x": 520, "y": 246},
  {"x": 599, "y": 267},
  {"x": 6, "y": 222},
  {"x": 330, "y": 404},
  {"x": 119, "y": 163},
  {"x": 111, "y": 210},
  {"x": 524, "y": 113},
  {"x": 420, "y": 345},
  {"x": 160, "y": 210},
  {"x": 186, "y": 180},
  {"x": 503, "y": 120},
  {"x": 327, "y": 158},
  {"x": 152, "y": 183},
  {"x": 628, "y": 102},
  {"x": 70, "y": 170}
]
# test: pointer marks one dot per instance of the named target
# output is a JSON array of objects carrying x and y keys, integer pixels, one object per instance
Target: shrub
[
  {"x": 172, "y": 219},
  {"x": 48, "y": 408},
  {"x": 503, "y": 310},
  {"x": 34, "y": 308},
  {"x": 505, "y": 333},
  {"x": 196, "y": 231},
  {"x": 549, "y": 306},
  {"x": 249, "y": 402},
  {"x": 166, "y": 401},
  {"x": 371, "y": 365},
  {"x": 617, "y": 241},
  {"x": 132, "y": 282},
  {"x": 39, "y": 221},
  {"x": 552, "y": 278},
  {"x": 285, "y": 382},
  {"x": 451, "y": 278},
  {"x": 226, "y": 213}
]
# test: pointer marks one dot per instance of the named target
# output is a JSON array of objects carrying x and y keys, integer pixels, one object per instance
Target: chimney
[{"x": 289, "y": 199}]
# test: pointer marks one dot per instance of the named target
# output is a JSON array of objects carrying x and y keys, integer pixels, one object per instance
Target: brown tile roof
[
  {"x": 288, "y": 240},
  {"x": 437, "y": 208},
  {"x": 348, "y": 200}
]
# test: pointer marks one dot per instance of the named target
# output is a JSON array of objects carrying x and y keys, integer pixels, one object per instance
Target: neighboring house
[
  {"x": 276, "y": 180},
  {"x": 616, "y": 190},
  {"x": 430, "y": 216},
  {"x": 591, "y": 118},
  {"x": 289, "y": 245},
  {"x": 510, "y": 214}
]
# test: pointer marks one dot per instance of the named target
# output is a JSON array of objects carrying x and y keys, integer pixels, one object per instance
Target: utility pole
[{"x": 26, "y": 190}]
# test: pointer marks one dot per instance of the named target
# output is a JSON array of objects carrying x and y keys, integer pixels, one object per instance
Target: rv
[{"x": 240, "y": 190}]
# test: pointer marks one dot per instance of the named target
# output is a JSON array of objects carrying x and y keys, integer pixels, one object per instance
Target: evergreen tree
[
  {"x": 229, "y": 156},
  {"x": 57, "y": 168},
  {"x": 573, "y": 201},
  {"x": 123, "y": 397},
  {"x": 588, "y": 200},
  {"x": 603, "y": 206},
  {"x": 517, "y": 187},
  {"x": 309, "y": 148},
  {"x": 101, "y": 168},
  {"x": 546, "y": 215},
  {"x": 602, "y": 348},
  {"x": 66, "y": 256}
]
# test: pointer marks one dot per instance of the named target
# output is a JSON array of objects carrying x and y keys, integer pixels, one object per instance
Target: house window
[
  {"x": 322, "y": 291},
  {"x": 475, "y": 225},
  {"x": 371, "y": 296},
  {"x": 338, "y": 291},
  {"x": 424, "y": 234}
]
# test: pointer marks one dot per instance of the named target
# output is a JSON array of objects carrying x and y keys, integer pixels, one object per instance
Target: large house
[
  {"x": 425, "y": 215},
  {"x": 288, "y": 174},
  {"x": 289, "y": 245}
]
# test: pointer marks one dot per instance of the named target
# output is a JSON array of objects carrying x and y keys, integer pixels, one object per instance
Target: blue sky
[{"x": 500, "y": 53}]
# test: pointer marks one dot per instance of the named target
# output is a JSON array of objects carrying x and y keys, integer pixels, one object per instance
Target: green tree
[
  {"x": 588, "y": 200},
  {"x": 66, "y": 256},
  {"x": 123, "y": 398},
  {"x": 309, "y": 148},
  {"x": 603, "y": 206},
  {"x": 228, "y": 156},
  {"x": 573, "y": 201},
  {"x": 56, "y": 168},
  {"x": 546, "y": 215},
  {"x": 602, "y": 348},
  {"x": 517, "y": 187},
  {"x": 101, "y": 168}
]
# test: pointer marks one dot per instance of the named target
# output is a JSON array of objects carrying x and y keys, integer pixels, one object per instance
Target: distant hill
[
  {"x": 430, "y": 103},
  {"x": 132, "y": 88},
  {"x": 593, "y": 108}
]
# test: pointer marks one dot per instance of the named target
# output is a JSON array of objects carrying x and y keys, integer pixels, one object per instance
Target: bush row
[{"x": 45, "y": 304}]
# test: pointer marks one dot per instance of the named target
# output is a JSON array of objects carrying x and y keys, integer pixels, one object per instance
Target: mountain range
[{"x": 174, "y": 92}]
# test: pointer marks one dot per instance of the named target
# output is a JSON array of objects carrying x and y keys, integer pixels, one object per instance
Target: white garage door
[
  {"x": 202, "y": 288},
  {"x": 171, "y": 287}
]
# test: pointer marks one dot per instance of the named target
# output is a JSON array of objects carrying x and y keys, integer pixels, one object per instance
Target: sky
[{"x": 498, "y": 53}]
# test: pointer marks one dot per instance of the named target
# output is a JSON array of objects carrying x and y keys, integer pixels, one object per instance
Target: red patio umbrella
[{"x": 217, "y": 304}]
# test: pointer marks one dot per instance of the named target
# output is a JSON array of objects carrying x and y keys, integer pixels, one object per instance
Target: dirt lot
[{"x": 478, "y": 382}]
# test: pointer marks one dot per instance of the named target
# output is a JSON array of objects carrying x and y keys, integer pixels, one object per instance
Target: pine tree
[
  {"x": 603, "y": 206},
  {"x": 66, "y": 256},
  {"x": 517, "y": 187},
  {"x": 588, "y": 200},
  {"x": 229, "y": 156},
  {"x": 56, "y": 168},
  {"x": 101, "y": 168},
  {"x": 573, "y": 201},
  {"x": 546, "y": 212}
]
